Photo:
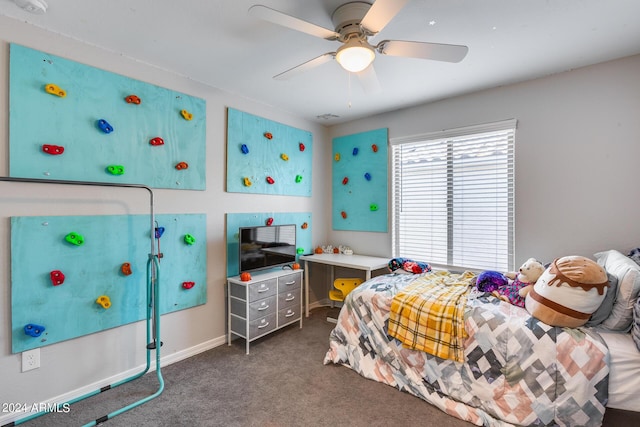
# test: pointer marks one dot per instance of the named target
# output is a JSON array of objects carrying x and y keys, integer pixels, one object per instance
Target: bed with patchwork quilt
[{"x": 476, "y": 357}]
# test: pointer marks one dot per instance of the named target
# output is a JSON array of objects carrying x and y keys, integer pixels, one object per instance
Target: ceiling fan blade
[
  {"x": 369, "y": 80},
  {"x": 423, "y": 50},
  {"x": 279, "y": 18},
  {"x": 381, "y": 12},
  {"x": 305, "y": 66}
]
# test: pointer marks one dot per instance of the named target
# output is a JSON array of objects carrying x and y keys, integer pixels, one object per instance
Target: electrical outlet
[{"x": 30, "y": 359}]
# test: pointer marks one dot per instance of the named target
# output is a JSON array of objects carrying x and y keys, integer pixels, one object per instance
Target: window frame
[{"x": 509, "y": 173}]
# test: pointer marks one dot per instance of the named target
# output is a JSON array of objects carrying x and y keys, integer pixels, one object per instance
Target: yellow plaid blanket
[{"x": 428, "y": 314}]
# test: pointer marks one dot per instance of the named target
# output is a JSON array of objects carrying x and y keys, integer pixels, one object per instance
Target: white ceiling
[{"x": 217, "y": 43}]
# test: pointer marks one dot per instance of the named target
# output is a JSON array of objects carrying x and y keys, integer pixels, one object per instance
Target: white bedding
[{"x": 624, "y": 374}]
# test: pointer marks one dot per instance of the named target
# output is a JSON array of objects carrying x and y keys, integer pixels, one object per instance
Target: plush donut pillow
[{"x": 568, "y": 292}]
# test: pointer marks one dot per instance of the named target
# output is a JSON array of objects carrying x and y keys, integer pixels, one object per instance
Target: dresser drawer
[
  {"x": 257, "y": 327},
  {"x": 289, "y": 282},
  {"x": 287, "y": 299},
  {"x": 257, "y": 309},
  {"x": 262, "y": 326},
  {"x": 288, "y": 315},
  {"x": 262, "y": 289}
]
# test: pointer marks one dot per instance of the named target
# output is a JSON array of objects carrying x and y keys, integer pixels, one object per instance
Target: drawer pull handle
[
  {"x": 290, "y": 313},
  {"x": 290, "y": 283},
  {"x": 263, "y": 307},
  {"x": 263, "y": 325},
  {"x": 291, "y": 298},
  {"x": 261, "y": 290}
]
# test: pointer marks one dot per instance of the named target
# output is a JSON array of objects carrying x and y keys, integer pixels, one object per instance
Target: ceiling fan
[{"x": 354, "y": 23}]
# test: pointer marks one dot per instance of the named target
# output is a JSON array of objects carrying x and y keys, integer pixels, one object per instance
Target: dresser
[{"x": 268, "y": 302}]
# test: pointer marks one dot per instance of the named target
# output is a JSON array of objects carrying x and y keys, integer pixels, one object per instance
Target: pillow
[
  {"x": 607, "y": 304},
  {"x": 635, "y": 328},
  {"x": 628, "y": 274}
]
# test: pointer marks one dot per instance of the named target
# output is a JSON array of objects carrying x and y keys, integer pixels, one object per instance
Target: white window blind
[{"x": 453, "y": 197}]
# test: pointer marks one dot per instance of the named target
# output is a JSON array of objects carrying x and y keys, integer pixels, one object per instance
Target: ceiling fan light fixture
[{"x": 355, "y": 55}]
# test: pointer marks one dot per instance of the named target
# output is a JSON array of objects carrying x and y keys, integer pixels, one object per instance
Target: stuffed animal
[
  {"x": 489, "y": 281},
  {"x": 518, "y": 285},
  {"x": 568, "y": 292}
]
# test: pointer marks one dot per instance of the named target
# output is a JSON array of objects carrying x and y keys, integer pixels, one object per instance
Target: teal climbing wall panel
[
  {"x": 237, "y": 220},
  {"x": 267, "y": 157},
  {"x": 359, "y": 181},
  {"x": 38, "y": 118},
  {"x": 94, "y": 269}
]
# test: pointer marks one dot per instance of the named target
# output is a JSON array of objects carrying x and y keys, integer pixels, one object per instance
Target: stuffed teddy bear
[
  {"x": 518, "y": 285},
  {"x": 568, "y": 292}
]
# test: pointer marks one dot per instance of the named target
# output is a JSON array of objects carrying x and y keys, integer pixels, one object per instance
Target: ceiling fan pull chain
[{"x": 349, "y": 89}]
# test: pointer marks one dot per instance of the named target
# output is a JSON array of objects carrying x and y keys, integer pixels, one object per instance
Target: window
[{"x": 453, "y": 197}]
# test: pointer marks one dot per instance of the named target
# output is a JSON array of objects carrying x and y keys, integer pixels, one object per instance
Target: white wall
[
  {"x": 83, "y": 364},
  {"x": 577, "y": 156}
]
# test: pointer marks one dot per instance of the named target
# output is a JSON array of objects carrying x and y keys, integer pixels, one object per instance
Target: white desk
[{"x": 358, "y": 262}]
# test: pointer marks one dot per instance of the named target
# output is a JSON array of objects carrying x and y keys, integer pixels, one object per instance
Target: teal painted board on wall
[
  {"x": 279, "y": 164},
  {"x": 94, "y": 269},
  {"x": 38, "y": 118},
  {"x": 237, "y": 220},
  {"x": 359, "y": 182}
]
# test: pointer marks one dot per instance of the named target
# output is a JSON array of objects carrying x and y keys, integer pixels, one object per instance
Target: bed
[{"x": 515, "y": 369}]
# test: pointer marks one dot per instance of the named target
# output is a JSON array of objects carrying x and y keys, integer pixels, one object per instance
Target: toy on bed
[
  {"x": 568, "y": 292},
  {"x": 511, "y": 287},
  {"x": 405, "y": 265}
]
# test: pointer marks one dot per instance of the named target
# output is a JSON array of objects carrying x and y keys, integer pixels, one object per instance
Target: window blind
[{"x": 453, "y": 197}]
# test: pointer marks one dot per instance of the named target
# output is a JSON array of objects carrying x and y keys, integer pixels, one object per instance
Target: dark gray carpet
[{"x": 281, "y": 383}]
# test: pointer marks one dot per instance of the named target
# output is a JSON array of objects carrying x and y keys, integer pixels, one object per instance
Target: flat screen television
[{"x": 265, "y": 247}]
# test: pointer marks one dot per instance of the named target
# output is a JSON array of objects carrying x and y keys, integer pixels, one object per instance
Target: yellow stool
[{"x": 341, "y": 288}]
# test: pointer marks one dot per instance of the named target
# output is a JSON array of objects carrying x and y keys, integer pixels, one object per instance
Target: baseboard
[{"x": 90, "y": 388}]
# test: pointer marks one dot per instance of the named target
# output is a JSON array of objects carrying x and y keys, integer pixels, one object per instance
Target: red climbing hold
[{"x": 57, "y": 278}]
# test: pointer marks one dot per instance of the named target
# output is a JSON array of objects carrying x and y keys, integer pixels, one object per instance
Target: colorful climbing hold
[
  {"x": 104, "y": 126},
  {"x": 367, "y": 176},
  {"x": 159, "y": 231},
  {"x": 269, "y": 221},
  {"x": 355, "y": 151},
  {"x": 337, "y": 157},
  {"x": 345, "y": 180},
  {"x": 55, "y": 90},
  {"x": 247, "y": 182},
  {"x": 186, "y": 115},
  {"x": 188, "y": 285},
  {"x": 182, "y": 165},
  {"x": 284, "y": 157},
  {"x": 189, "y": 239},
  {"x": 115, "y": 169},
  {"x": 373, "y": 207},
  {"x": 298, "y": 179},
  {"x": 133, "y": 99},
  {"x": 301, "y": 146},
  {"x": 270, "y": 180},
  {"x": 33, "y": 330},
  {"x": 156, "y": 141},
  {"x": 244, "y": 149},
  {"x": 343, "y": 214},
  {"x": 126, "y": 269},
  {"x": 54, "y": 150},
  {"x": 299, "y": 251},
  {"x": 57, "y": 278},
  {"x": 374, "y": 147},
  {"x": 268, "y": 135},
  {"x": 74, "y": 238},
  {"x": 304, "y": 226},
  {"x": 104, "y": 301}
]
